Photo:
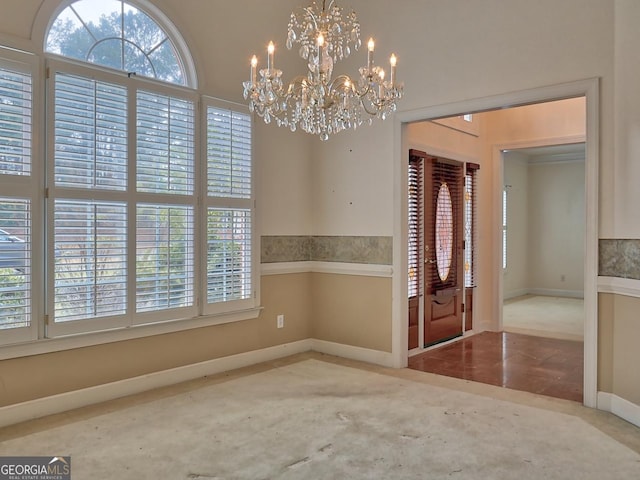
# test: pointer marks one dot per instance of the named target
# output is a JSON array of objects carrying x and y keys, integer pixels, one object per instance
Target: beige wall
[
  {"x": 38, "y": 376},
  {"x": 545, "y": 217},
  {"x": 436, "y": 139},
  {"x": 557, "y": 226},
  {"x": 605, "y": 342},
  {"x": 618, "y": 353},
  {"x": 352, "y": 310},
  {"x": 516, "y": 276}
]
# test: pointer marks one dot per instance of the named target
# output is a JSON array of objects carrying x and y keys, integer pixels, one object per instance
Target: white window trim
[
  {"x": 250, "y": 204},
  {"x": 48, "y": 14},
  {"x": 27, "y": 187},
  {"x": 18, "y": 344}
]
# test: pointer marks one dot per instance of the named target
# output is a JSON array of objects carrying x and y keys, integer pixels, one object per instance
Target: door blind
[
  {"x": 415, "y": 199},
  {"x": 470, "y": 228}
]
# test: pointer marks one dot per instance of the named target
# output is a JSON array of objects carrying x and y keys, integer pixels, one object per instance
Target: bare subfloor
[{"x": 313, "y": 416}]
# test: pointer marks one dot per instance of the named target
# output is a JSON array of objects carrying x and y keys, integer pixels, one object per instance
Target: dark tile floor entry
[{"x": 540, "y": 365}]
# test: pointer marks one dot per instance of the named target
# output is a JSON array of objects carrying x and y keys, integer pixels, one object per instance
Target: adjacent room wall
[
  {"x": 516, "y": 280},
  {"x": 545, "y": 217},
  {"x": 556, "y": 228}
]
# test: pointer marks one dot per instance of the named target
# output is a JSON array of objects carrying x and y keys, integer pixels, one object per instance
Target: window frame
[
  {"x": 47, "y": 18},
  {"x": 26, "y": 187},
  {"x": 43, "y": 336},
  {"x": 228, "y": 203}
]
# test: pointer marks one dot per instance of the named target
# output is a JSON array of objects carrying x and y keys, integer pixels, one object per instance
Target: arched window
[
  {"x": 143, "y": 211},
  {"x": 119, "y": 35}
]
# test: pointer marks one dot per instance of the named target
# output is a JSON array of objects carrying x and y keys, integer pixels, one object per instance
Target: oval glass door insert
[{"x": 444, "y": 232}]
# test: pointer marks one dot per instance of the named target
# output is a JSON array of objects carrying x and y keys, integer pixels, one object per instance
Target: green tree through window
[{"x": 117, "y": 35}]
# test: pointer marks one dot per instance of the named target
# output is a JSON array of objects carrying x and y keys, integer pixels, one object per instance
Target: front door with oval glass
[{"x": 436, "y": 234}]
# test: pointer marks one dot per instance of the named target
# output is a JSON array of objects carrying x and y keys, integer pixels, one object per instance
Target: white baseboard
[
  {"x": 546, "y": 292},
  {"x": 620, "y": 407},
  {"x": 515, "y": 294},
  {"x": 377, "y": 357},
  {"x": 12, "y": 414},
  {"x": 550, "y": 292},
  {"x": 40, "y": 407}
]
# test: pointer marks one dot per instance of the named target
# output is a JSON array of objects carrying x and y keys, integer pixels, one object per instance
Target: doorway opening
[
  {"x": 543, "y": 241},
  {"x": 488, "y": 303}
]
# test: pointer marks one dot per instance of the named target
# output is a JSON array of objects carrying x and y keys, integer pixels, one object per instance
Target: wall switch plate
[{"x": 280, "y": 321}]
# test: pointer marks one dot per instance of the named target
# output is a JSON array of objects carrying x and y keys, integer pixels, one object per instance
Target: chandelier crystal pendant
[{"x": 317, "y": 103}]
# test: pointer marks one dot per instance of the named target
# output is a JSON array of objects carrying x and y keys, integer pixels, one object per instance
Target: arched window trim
[{"x": 183, "y": 53}]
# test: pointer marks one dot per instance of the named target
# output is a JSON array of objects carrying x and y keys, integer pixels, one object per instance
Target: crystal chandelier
[{"x": 316, "y": 102}]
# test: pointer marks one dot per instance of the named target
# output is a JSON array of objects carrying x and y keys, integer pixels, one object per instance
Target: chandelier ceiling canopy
[{"x": 316, "y": 102}]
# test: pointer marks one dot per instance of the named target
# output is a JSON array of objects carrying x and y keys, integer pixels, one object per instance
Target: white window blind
[
  {"x": 229, "y": 240},
  {"x": 15, "y": 122},
  {"x": 90, "y": 133},
  {"x": 90, "y": 259},
  {"x": 228, "y": 255},
  {"x": 165, "y": 140},
  {"x": 164, "y": 257},
  {"x": 15, "y": 257},
  {"x": 228, "y": 153}
]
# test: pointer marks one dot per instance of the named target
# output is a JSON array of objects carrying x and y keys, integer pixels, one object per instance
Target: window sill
[{"x": 69, "y": 342}]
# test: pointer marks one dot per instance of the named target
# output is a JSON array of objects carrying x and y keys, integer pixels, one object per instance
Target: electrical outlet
[{"x": 280, "y": 321}]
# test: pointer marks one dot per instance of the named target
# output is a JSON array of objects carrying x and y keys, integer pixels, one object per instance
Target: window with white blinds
[
  {"x": 17, "y": 194},
  {"x": 165, "y": 144},
  {"x": 229, "y": 242},
  {"x": 15, "y": 121},
  {"x": 90, "y": 133},
  {"x": 140, "y": 180},
  {"x": 125, "y": 207},
  {"x": 228, "y": 255},
  {"x": 164, "y": 257},
  {"x": 90, "y": 259},
  {"x": 228, "y": 153},
  {"x": 15, "y": 271}
]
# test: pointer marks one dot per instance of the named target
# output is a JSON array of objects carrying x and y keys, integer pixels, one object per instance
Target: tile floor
[{"x": 540, "y": 365}]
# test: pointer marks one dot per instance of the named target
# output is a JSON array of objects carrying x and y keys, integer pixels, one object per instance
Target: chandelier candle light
[{"x": 315, "y": 102}]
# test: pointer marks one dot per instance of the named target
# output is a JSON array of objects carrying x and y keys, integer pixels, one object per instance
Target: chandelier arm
[{"x": 317, "y": 103}]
